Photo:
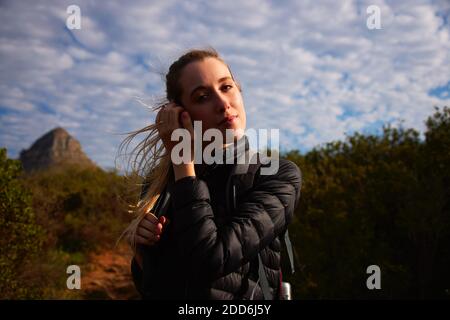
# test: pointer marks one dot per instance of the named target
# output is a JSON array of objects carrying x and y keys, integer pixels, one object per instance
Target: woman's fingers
[
  {"x": 163, "y": 220},
  {"x": 163, "y": 123},
  {"x": 187, "y": 123},
  {"x": 150, "y": 229},
  {"x": 171, "y": 118},
  {"x": 143, "y": 236},
  {"x": 155, "y": 228},
  {"x": 151, "y": 217},
  {"x": 168, "y": 120},
  {"x": 174, "y": 116},
  {"x": 151, "y": 223},
  {"x": 169, "y": 115},
  {"x": 145, "y": 233},
  {"x": 144, "y": 241}
]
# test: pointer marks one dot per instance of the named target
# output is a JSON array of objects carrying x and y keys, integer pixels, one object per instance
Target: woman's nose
[{"x": 222, "y": 103}]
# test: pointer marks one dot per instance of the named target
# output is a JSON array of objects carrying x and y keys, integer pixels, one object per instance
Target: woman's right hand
[
  {"x": 170, "y": 118},
  {"x": 150, "y": 229}
]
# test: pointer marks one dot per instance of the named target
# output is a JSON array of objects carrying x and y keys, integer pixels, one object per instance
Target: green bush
[
  {"x": 81, "y": 208},
  {"x": 382, "y": 200},
  {"x": 63, "y": 214},
  {"x": 21, "y": 237}
]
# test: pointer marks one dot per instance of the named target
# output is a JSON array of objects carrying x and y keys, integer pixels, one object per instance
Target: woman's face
[{"x": 210, "y": 95}]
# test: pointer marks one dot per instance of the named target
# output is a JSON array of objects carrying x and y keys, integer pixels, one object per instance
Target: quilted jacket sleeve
[{"x": 213, "y": 250}]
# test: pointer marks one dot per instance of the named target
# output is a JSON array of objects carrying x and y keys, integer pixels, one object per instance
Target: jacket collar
[{"x": 230, "y": 155}]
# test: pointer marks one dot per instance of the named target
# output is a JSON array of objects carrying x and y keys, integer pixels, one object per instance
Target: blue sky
[{"x": 312, "y": 69}]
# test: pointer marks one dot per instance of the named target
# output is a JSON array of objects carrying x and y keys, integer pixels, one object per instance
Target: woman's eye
[{"x": 202, "y": 97}]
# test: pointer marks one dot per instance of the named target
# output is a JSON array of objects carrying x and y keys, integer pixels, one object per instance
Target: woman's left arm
[{"x": 214, "y": 250}]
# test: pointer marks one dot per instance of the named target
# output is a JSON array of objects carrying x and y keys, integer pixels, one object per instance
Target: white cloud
[{"x": 90, "y": 35}]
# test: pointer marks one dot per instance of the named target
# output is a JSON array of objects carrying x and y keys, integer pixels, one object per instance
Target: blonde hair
[{"x": 150, "y": 159}]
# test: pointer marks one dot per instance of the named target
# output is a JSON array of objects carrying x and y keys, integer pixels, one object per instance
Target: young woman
[{"x": 199, "y": 248}]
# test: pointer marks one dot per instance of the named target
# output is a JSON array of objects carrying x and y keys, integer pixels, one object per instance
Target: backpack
[{"x": 240, "y": 180}]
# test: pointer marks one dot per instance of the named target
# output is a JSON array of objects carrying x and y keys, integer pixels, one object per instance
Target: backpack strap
[
  {"x": 162, "y": 203},
  {"x": 290, "y": 252},
  {"x": 263, "y": 279}
]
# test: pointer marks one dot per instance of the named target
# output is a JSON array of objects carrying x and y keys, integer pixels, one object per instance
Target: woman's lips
[{"x": 228, "y": 120}]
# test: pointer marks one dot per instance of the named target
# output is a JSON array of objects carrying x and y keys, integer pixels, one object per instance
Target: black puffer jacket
[{"x": 205, "y": 253}]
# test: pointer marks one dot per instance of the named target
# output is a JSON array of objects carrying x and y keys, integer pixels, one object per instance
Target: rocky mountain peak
[{"x": 56, "y": 147}]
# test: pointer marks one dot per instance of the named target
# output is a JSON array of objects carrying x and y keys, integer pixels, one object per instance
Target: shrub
[{"x": 21, "y": 238}]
